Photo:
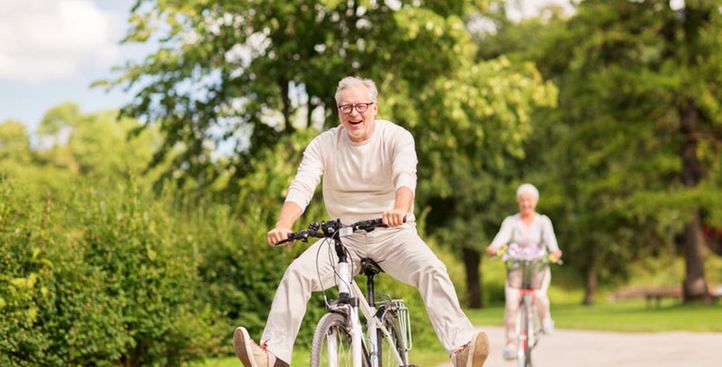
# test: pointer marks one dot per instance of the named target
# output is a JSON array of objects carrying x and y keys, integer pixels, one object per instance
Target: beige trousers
[
  {"x": 513, "y": 296},
  {"x": 400, "y": 252}
]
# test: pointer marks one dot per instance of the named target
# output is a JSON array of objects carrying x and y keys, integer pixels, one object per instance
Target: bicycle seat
[{"x": 370, "y": 267}]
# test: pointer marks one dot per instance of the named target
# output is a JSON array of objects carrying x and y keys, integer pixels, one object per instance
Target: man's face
[
  {"x": 527, "y": 203},
  {"x": 359, "y": 125}
]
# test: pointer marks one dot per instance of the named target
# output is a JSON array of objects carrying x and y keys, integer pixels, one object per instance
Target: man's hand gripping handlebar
[{"x": 331, "y": 229}]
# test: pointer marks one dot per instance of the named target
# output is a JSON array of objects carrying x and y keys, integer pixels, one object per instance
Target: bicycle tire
[
  {"x": 332, "y": 343},
  {"x": 523, "y": 338},
  {"x": 396, "y": 342}
]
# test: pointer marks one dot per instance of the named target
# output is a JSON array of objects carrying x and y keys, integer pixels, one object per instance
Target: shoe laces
[
  {"x": 264, "y": 347},
  {"x": 456, "y": 352}
]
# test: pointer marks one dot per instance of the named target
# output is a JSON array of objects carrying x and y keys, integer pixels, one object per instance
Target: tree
[
  {"x": 15, "y": 153},
  {"x": 474, "y": 121},
  {"x": 635, "y": 144},
  {"x": 247, "y": 73},
  {"x": 14, "y": 142},
  {"x": 240, "y": 74},
  {"x": 95, "y": 145}
]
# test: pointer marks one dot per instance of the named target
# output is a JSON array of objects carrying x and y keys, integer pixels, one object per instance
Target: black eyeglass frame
[{"x": 346, "y": 109}]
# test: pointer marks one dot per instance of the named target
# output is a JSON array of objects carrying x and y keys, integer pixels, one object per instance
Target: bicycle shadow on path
[{"x": 573, "y": 348}]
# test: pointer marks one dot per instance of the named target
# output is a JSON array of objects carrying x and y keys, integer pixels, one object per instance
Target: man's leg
[
  {"x": 405, "y": 256},
  {"x": 289, "y": 303}
]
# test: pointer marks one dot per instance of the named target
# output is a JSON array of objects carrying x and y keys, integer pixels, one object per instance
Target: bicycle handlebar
[
  {"x": 549, "y": 258},
  {"x": 331, "y": 229}
]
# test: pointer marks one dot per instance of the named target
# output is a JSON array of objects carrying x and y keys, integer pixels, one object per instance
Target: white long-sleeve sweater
[
  {"x": 526, "y": 240},
  {"x": 359, "y": 179}
]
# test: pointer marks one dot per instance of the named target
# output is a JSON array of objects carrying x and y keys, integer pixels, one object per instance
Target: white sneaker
[
  {"x": 252, "y": 354},
  {"x": 509, "y": 352},
  {"x": 548, "y": 326},
  {"x": 474, "y": 353}
]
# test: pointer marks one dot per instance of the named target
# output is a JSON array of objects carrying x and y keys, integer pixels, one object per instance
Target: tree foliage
[
  {"x": 96, "y": 281},
  {"x": 240, "y": 74},
  {"x": 629, "y": 74}
]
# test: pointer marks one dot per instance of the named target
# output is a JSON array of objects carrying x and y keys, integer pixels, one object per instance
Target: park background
[{"x": 135, "y": 234}]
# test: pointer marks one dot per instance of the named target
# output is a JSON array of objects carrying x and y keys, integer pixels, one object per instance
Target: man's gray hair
[{"x": 350, "y": 81}]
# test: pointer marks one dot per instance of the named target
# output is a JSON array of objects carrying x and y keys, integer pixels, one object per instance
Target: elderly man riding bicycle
[{"x": 369, "y": 171}]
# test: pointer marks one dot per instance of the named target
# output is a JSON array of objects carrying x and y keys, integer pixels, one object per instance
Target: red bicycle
[{"x": 527, "y": 275}]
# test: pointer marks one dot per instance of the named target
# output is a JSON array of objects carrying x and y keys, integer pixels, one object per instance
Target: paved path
[{"x": 576, "y": 348}]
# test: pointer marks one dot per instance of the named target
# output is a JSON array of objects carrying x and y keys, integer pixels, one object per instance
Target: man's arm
[
  {"x": 403, "y": 173},
  {"x": 290, "y": 212},
  {"x": 300, "y": 192},
  {"x": 402, "y": 204}
]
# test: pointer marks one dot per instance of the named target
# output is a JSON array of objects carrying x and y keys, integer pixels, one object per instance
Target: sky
[{"x": 52, "y": 50}]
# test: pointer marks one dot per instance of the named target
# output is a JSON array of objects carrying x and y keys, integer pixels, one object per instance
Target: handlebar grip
[
  {"x": 281, "y": 242},
  {"x": 555, "y": 260},
  {"x": 369, "y": 225},
  {"x": 293, "y": 236},
  {"x": 380, "y": 222}
]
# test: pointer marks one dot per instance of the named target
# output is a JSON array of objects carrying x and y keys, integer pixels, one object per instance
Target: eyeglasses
[{"x": 360, "y": 107}]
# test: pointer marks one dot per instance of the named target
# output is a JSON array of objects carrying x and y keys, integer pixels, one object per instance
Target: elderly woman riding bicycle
[{"x": 529, "y": 236}]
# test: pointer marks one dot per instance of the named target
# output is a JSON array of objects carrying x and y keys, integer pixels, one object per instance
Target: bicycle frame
[
  {"x": 525, "y": 326},
  {"x": 526, "y": 332},
  {"x": 351, "y": 299}
]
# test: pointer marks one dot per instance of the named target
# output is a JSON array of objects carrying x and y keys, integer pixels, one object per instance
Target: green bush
[
  {"x": 152, "y": 274},
  {"x": 54, "y": 308},
  {"x": 98, "y": 280}
]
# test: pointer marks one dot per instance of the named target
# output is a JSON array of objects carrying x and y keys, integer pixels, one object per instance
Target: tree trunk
[
  {"x": 590, "y": 286},
  {"x": 309, "y": 113},
  {"x": 590, "y": 275},
  {"x": 695, "y": 284},
  {"x": 286, "y": 107},
  {"x": 472, "y": 259},
  {"x": 713, "y": 239}
]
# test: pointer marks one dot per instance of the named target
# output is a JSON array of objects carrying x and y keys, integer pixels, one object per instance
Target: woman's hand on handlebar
[
  {"x": 394, "y": 217},
  {"x": 555, "y": 256},
  {"x": 279, "y": 234},
  {"x": 492, "y": 251}
]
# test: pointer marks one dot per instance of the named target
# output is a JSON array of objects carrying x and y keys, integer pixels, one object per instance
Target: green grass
[
  {"x": 627, "y": 316},
  {"x": 419, "y": 355},
  {"x": 630, "y": 316},
  {"x": 217, "y": 362}
]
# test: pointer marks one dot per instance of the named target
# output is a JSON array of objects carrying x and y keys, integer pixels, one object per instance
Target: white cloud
[{"x": 41, "y": 40}]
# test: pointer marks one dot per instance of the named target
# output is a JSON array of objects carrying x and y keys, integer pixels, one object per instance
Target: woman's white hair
[
  {"x": 527, "y": 188},
  {"x": 350, "y": 81}
]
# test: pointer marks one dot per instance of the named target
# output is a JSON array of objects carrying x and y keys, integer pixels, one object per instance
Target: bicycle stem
[{"x": 343, "y": 274}]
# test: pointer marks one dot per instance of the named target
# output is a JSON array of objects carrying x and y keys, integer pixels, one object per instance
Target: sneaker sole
[
  {"x": 242, "y": 347},
  {"x": 479, "y": 350}
]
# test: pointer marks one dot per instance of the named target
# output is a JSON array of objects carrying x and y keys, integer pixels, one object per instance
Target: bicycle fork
[{"x": 343, "y": 279}]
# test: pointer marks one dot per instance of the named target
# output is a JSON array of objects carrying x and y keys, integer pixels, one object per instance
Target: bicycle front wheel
[
  {"x": 525, "y": 336},
  {"x": 386, "y": 356},
  {"x": 331, "y": 345}
]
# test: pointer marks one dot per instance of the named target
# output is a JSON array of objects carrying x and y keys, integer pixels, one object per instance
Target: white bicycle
[{"x": 339, "y": 340}]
